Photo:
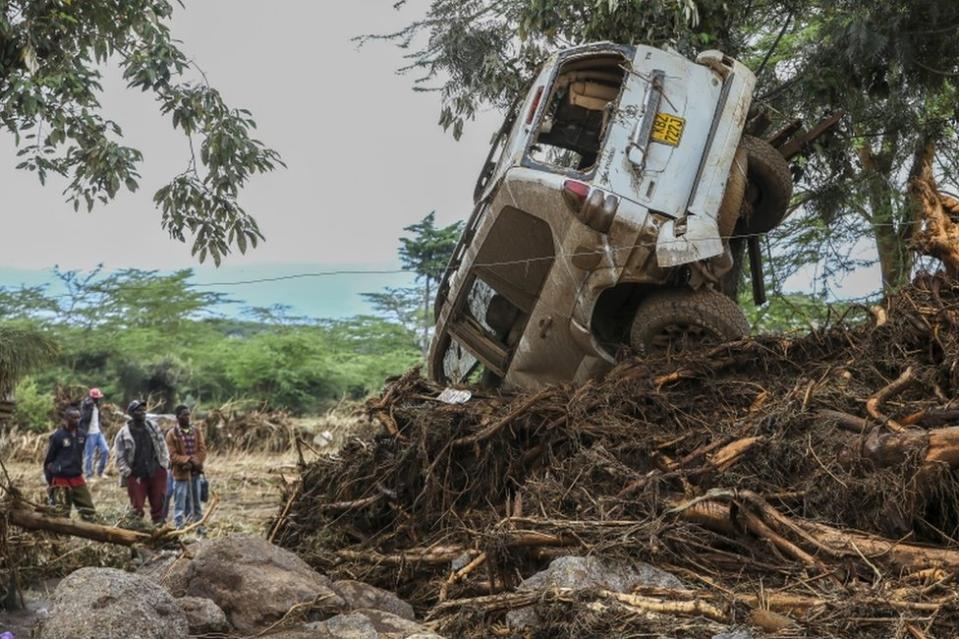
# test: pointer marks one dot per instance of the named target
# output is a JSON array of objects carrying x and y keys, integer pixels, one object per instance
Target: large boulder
[
  {"x": 254, "y": 582},
  {"x": 360, "y": 624},
  {"x": 99, "y": 602},
  {"x": 203, "y": 616},
  {"x": 581, "y": 573},
  {"x": 359, "y": 595}
]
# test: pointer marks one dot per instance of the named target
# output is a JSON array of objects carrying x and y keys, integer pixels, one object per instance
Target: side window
[
  {"x": 497, "y": 316},
  {"x": 458, "y": 362}
]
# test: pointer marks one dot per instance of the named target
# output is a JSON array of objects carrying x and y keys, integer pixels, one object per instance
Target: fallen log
[
  {"x": 31, "y": 520},
  {"x": 940, "y": 446},
  {"x": 721, "y": 517}
]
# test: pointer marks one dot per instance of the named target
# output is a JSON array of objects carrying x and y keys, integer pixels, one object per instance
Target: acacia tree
[
  {"x": 425, "y": 253},
  {"x": 892, "y": 66},
  {"x": 51, "y": 52}
]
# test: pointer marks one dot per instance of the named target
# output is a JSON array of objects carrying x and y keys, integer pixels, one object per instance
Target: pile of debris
[
  {"x": 803, "y": 485},
  {"x": 233, "y": 428}
]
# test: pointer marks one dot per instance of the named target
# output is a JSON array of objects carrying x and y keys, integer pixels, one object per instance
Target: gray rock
[
  {"x": 105, "y": 602},
  {"x": 734, "y": 634},
  {"x": 254, "y": 582},
  {"x": 360, "y": 624},
  {"x": 594, "y": 572},
  {"x": 203, "y": 615},
  {"x": 582, "y": 573},
  {"x": 360, "y": 595}
]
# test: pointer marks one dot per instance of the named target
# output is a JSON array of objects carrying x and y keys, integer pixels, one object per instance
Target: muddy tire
[
  {"x": 769, "y": 189},
  {"x": 675, "y": 320},
  {"x": 732, "y": 204}
]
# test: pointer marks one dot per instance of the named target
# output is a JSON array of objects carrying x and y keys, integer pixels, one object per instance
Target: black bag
[{"x": 204, "y": 488}]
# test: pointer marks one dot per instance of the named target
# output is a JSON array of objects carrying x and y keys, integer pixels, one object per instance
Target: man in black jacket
[{"x": 63, "y": 467}]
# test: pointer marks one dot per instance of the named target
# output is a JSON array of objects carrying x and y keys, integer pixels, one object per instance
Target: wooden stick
[
  {"x": 884, "y": 393},
  {"x": 728, "y": 455},
  {"x": 846, "y": 421},
  {"x": 494, "y": 428},
  {"x": 214, "y": 502},
  {"x": 462, "y": 573},
  {"x": 281, "y": 520},
  {"x": 696, "y": 607}
]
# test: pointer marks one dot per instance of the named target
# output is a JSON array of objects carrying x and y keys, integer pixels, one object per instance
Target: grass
[{"x": 248, "y": 484}]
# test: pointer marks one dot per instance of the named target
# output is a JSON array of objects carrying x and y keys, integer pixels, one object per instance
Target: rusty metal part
[
  {"x": 756, "y": 270},
  {"x": 797, "y": 144}
]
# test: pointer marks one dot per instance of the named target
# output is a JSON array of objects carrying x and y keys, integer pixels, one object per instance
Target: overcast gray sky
[
  {"x": 364, "y": 152},
  {"x": 365, "y": 157}
]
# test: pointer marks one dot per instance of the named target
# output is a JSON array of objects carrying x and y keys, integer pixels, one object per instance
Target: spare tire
[
  {"x": 769, "y": 189},
  {"x": 675, "y": 320}
]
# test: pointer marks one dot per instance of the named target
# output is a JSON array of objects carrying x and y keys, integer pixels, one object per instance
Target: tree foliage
[
  {"x": 51, "y": 55},
  {"x": 23, "y": 348},
  {"x": 135, "y": 333},
  {"x": 425, "y": 253},
  {"x": 891, "y": 66}
]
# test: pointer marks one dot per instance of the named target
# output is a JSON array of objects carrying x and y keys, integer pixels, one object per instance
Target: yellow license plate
[{"x": 668, "y": 129}]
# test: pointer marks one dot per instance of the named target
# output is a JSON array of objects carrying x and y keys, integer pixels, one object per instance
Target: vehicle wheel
[
  {"x": 732, "y": 203},
  {"x": 770, "y": 186},
  {"x": 676, "y": 320}
]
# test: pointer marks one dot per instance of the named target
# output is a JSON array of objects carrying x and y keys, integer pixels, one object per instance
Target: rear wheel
[
  {"x": 677, "y": 320},
  {"x": 769, "y": 187}
]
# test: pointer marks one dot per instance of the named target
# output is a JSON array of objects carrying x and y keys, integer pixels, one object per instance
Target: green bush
[{"x": 34, "y": 408}]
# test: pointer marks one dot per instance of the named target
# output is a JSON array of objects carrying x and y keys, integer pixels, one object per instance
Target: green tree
[
  {"x": 891, "y": 66},
  {"x": 24, "y": 347},
  {"x": 426, "y": 254},
  {"x": 135, "y": 333},
  {"x": 403, "y": 305},
  {"x": 51, "y": 53}
]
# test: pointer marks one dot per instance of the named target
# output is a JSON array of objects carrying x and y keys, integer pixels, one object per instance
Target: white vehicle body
[{"x": 613, "y": 174}]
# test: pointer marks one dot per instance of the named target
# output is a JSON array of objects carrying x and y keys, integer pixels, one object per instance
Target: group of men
[{"x": 154, "y": 467}]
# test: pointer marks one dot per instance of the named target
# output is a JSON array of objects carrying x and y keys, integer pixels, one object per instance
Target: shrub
[{"x": 34, "y": 408}]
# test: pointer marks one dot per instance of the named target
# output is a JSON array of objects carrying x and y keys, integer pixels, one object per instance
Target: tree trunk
[
  {"x": 30, "y": 520},
  {"x": 895, "y": 259},
  {"x": 936, "y": 233}
]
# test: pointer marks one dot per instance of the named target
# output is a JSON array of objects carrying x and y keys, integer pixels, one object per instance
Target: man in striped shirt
[{"x": 187, "y": 454}]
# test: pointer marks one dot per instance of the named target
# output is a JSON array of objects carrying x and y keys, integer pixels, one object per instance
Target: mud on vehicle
[{"x": 608, "y": 214}]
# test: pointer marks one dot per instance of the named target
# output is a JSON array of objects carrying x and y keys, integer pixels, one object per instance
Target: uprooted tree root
[{"x": 805, "y": 481}]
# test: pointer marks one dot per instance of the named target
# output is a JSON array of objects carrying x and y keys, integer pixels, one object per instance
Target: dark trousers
[
  {"x": 79, "y": 497},
  {"x": 152, "y": 488}
]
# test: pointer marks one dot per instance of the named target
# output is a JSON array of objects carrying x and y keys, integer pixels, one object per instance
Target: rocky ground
[{"x": 247, "y": 483}]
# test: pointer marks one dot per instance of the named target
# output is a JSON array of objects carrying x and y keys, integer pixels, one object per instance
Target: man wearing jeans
[
  {"x": 142, "y": 458},
  {"x": 187, "y": 454},
  {"x": 96, "y": 441}
]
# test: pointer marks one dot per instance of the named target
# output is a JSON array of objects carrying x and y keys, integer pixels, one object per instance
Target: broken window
[
  {"x": 496, "y": 314},
  {"x": 577, "y": 115}
]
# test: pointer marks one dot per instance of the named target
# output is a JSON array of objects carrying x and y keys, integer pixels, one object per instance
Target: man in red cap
[{"x": 92, "y": 428}]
